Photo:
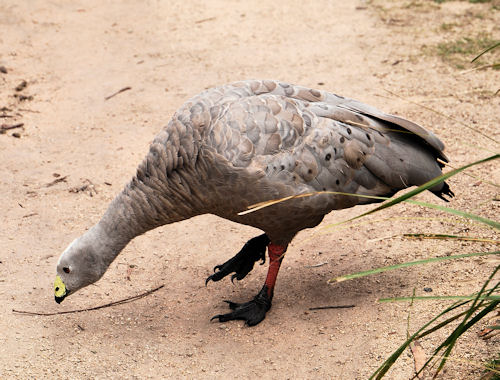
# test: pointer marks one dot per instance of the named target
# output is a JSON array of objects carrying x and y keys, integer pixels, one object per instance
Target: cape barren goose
[{"x": 248, "y": 142}]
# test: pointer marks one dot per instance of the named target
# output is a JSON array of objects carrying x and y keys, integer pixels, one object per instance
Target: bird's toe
[{"x": 252, "y": 312}]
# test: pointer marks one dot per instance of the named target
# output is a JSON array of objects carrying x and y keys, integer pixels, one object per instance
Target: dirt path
[{"x": 77, "y": 150}]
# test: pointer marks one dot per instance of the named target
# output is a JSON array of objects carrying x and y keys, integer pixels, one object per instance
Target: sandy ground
[{"x": 76, "y": 150}]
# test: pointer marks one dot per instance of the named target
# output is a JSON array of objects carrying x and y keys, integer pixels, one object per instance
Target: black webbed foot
[
  {"x": 242, "y": 263},
  {"x": 252, "y": 312}
]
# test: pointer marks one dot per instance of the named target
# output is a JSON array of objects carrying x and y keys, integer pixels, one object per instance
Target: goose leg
[
  {"x": 254, "y": 311},
  {"x": 242, "y": 263}
]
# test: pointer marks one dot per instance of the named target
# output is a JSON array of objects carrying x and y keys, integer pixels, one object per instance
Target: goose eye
[{"x": 66, "y": 270}]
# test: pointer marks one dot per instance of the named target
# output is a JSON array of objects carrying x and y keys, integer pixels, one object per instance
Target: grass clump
[
  {"x": 448, "y": 26},
  {"x": 467, "y": 311},
  {"x": 492, "y": 369},
  {"x": 459, "y": 52}
]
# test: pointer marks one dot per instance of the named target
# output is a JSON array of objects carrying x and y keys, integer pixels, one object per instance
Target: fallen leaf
[
  {"x": 418, "y": 356},
  {"x": 491, "y": 330}
]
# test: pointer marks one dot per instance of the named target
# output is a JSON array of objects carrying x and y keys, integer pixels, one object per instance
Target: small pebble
[
  {"x": 428, "y": 290},
  {"x": 3, "y": 70},
  {"x": 23, "y": 98},
  {"x": 16, "y": 135},
  {"x": 21, "y": 86}
]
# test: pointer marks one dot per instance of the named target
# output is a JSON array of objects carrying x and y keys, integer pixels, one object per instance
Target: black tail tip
[{"x": 445, "y": 190}]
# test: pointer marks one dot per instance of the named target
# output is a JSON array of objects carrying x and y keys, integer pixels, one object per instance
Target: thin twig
[
  {"x": 6, "y": 127},
  {"x": 117, "y": 92},
  {"x": 205, "y": 20},
  {"x": 87, "y": 186},
  {"x": 119, "y": 302},
  {"x": 316, "y": 265},
  {"x": 29, "y": 215},
  {"x": 332, "y": 307},
  {"x": 28, "y": 110},
  {"x": 56, "y": 181},
  {"x": 381, "y": 238}
]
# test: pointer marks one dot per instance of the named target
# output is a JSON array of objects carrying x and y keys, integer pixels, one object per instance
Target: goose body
[{"x": 240, "y": 144}]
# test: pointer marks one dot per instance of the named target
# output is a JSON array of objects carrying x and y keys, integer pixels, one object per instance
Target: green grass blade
[
  {"x": 442, "y": 324},
  {"x": 382, "y": 370},
  {"x": 421, "y": 298},
  {"x": 408, "y": 264},
  {"x": 461, "y": 330},
  {"x": 485, "y": 51},
  {"x": 426, "y": 186},
  {"x": 463, "y": 214},
  {"x": 488, "y": 308},
  {"x": 449, "y": 343},
  {"x": 490, "y": 305},
  {"x": 485, "y": 303},
  {"x": 450, "y": 237}
]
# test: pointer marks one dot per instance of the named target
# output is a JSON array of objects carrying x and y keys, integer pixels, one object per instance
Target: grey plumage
[
  {"x": 253, "y": 141},
  {"x": 247, "y": 142}
]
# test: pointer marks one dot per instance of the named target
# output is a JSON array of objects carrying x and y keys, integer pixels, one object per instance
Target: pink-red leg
[{"x": 276, "y": 253}]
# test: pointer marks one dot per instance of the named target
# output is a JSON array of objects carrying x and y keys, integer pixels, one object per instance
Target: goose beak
[{"x": 60, "y": 290}]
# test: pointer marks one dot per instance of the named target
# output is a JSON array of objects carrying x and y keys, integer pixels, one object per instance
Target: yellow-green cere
[{"x": 59, "y": 287}]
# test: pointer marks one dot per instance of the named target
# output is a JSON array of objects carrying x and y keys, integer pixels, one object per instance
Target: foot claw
[
  {"x": 215, "y": 317},
  {"x": 252, "y": 312},
  {"x": 241, "y": 264},
  {"x": 232, "y": 305}
]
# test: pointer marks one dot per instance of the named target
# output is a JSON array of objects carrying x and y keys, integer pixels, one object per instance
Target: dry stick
[
  {"x": 28, "y": 110},
  {"x": 29, "y": 215},
  {"x": 316, "y": 265},
  {"x": 332, "y": 307},
  {"x": 117, "y": 92},
  {"x": 205, "y": 20},
  {"x": 6, "y": 127},
  {"x": 120, "y": 302},
  {"x": 57, "y": 180}
]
